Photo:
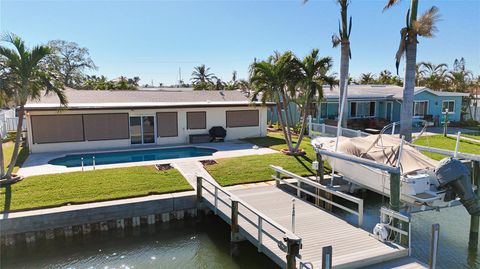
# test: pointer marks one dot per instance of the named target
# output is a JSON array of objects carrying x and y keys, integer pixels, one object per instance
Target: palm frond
[
  {"x": 336, "y": 41},
  {"x": 426, "y": 25},
  {"x": 401, "y": 47},
  {"x": 390, "y": 3}
]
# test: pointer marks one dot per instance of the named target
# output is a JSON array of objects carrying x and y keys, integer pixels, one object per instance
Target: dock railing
[
  {"x": 286, "y": 240},
  {"x": 388, "y": 216},
  {"x": 301, "y": 180}
]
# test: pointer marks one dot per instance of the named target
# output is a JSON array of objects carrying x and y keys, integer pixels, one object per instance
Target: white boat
[{"x": 419, "y": 183}]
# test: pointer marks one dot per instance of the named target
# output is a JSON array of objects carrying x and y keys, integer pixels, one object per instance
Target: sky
[{"x": 155, "y": 39}]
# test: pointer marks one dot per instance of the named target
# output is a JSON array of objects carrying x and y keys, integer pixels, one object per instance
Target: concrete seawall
[{"x": 84, "y": 218}]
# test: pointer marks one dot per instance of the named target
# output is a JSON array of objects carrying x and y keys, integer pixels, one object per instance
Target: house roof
[
  {"x": 380, "y": 92},
  {"x": 89, "y": 99}
]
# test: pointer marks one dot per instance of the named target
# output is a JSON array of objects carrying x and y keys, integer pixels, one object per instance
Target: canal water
[
  {"x": 205, "y": 244},
  {"x": 454, "y": 223},
  {"x": 202, "y": 244}
]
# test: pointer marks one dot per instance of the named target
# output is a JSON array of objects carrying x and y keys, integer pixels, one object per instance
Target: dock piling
[
  {"x": 234, "y": 230},
  {"x": 434, "y": 246},
  {"x": 294, "y": 244},
  {"x": 199, "y": 189}
]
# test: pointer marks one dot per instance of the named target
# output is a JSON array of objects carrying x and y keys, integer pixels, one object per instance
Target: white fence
[
  {"x": 8, "y": 122},
  {"x": 321, "y": 129}
]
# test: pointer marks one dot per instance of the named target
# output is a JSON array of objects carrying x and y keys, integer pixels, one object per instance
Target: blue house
[{"x": 382, "y": 102}]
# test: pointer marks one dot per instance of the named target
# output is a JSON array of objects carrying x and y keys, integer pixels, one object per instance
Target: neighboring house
[
  {"x": 119, "y": 119},
  {"x": 382, "y": 102}
]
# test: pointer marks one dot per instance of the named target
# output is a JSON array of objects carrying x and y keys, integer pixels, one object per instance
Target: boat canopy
[{"x": 384, "y": 149}]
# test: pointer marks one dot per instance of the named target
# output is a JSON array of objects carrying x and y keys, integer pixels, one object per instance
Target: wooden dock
[{"x": 264, "y": 218}]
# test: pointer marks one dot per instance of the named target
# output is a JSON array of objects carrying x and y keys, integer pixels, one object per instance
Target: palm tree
[
  {"x": 385, "y": 77},
  {"x": 435, "y": 75},
  {"x": 274, "y": 80},
  {"x": 460, "y": 79},
  {"x": 367, "y": 78},
  {"x": 423, "y": 26},
  {"x": 201, "y": 77},
  {"x": 28, "y": 76},
  {"x": 343, "y": 39},
  {"x": 313, "y": 75}
]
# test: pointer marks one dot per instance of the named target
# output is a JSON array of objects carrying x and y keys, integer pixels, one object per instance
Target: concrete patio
[{"x": 37, "y": 163}]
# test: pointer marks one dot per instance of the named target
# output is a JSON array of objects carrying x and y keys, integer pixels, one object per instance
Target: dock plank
[{"x": 352, "y": 246}]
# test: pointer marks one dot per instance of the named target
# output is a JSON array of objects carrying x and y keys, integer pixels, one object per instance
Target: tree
[
  {"x": 312, "y": 76},
  {"x": 201, "y": 77},
  {"x": 343, "y": 39},
  {"x": 274, "y": 80},
  {"x": 460, "y": 79},
  {"x": 425, "y": 27},
  {"x": 434, "y": 75},
  {"x": 28, "y": 75},
  {"x": 385, "y": 77},
  {"x": 367, "y": 78},
  {"x": 232, "y": 84},
  {"x": 71, "y": 61}
]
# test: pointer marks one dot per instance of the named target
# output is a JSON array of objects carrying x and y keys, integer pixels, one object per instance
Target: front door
[
  {"x": 142, "y": 130},
  {"x": 388, "y": 111}
]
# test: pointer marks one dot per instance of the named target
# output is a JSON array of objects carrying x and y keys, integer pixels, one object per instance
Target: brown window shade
[
  {"x": 197, "y": 120},
  {"x": 167, "y": 124},
  {"x": 57, "y": 128},
  {"x": 106, "y": 126},
  {"x": 242, "y": 118}
]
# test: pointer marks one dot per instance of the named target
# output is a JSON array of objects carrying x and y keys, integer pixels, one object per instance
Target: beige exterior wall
[{"x": 216, "y": 116}]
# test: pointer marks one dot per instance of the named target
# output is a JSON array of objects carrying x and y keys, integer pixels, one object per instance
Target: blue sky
[{"x": 153, "y": 39}]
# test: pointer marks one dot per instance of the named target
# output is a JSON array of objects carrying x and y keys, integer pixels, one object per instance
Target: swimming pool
[{"x": 74, "y": 160}]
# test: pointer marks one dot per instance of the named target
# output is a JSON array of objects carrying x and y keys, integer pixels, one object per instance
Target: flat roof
[{"x": 111, "y": 99}]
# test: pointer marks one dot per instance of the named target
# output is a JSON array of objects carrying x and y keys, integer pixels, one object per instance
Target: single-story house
[
  {"x": 382, "y": 102},
  {"x": 118, "y": 119}
]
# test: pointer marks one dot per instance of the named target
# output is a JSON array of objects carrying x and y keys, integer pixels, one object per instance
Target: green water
[
  {"x": 454, "y": 223},
  {"x": 205, "y": 244},
  {"x": 183, "y": 244}
]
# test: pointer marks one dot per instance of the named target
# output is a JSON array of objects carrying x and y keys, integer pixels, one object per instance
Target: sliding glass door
[{"x": 142, "y": 130}]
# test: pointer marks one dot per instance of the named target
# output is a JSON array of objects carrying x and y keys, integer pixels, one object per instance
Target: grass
[
  {"x": 255, "y": 168},
  {"x": 90, "y": 186},
  {"x": 448, "y": 143},
  {"x": 7, "y": 155},
  {"x": 474, "y": 135}
]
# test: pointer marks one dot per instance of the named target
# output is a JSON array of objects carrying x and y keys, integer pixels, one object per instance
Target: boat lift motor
[{"x": 452, "y": 173}]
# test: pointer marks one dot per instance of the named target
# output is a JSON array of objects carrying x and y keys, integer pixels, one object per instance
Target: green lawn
[
  {"x": 7, "y": 155},
  {"x": 448, "y": 143},
  {"x": 474, "y": 135},
  {"x": 90, "y": 186},
  {"x": 231, "y": 171}
]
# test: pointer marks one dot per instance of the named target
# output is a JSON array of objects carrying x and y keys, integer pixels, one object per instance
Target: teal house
[{"x": 379, "y": 104}]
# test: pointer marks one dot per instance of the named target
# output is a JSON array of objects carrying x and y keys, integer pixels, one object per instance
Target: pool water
[{"x": 75, "y": 160}]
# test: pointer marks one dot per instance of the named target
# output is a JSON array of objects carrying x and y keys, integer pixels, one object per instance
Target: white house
[{"x": 120, "y": 119}]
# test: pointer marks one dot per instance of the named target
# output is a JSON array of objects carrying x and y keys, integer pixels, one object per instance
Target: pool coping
[{"x": 37, "y": 163}]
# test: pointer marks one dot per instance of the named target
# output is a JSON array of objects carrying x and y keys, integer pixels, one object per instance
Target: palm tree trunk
[
  {"x": 344, "y": 65},
  {"x": 282, "y": 121},
  {"x": 408, "y": 92},
  {"x": 18, "y": 136},
  {"x": 304, "y": 123},
  {"x": 2, "y": 165},
  {"x": 288, "y": 120}
]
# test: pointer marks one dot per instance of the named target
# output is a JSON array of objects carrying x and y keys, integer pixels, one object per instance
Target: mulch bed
[
  {"x": 163, "y": 167},
  {"x": 208, "y": 162}
]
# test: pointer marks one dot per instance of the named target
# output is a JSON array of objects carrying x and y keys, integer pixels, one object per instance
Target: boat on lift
[{"x": 423, "y": 181}]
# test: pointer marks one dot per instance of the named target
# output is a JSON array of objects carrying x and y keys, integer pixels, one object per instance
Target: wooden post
[
  {"x": 199, "y": 189},
  {"x": 395, "y": 191},
  {"x": 294, "y": 244},
  {"x": 474, "y": 220},
  {"x": 320, "y": 179},
  {"x": 434, "y": 246},
  {"x": 327, "y": 257},
  {"x": 234, "y": 230},
  {"x": 277, "y": 180}
]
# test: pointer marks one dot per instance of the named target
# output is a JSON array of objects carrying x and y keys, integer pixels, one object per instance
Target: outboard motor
[{"x": 453, "y": 174}]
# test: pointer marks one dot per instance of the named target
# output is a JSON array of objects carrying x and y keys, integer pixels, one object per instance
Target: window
[
  {"x": 167, "y": 124},
  {"x": 57, "y": 128},
  {"x": 242, "y": 118},
  {"x": 105, "y": 126},
  {"x": 450, "y": 105},
  {"x": 313, "y": 110},
  {"x": 323, "y": 110},
  {"x": 196, "y": 120},
  {"x": 362, "y": 109},
  {"x": 420, "y": 108}
]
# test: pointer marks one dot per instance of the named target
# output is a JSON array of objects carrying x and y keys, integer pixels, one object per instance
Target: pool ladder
[{"x": 93, "y": 162}]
